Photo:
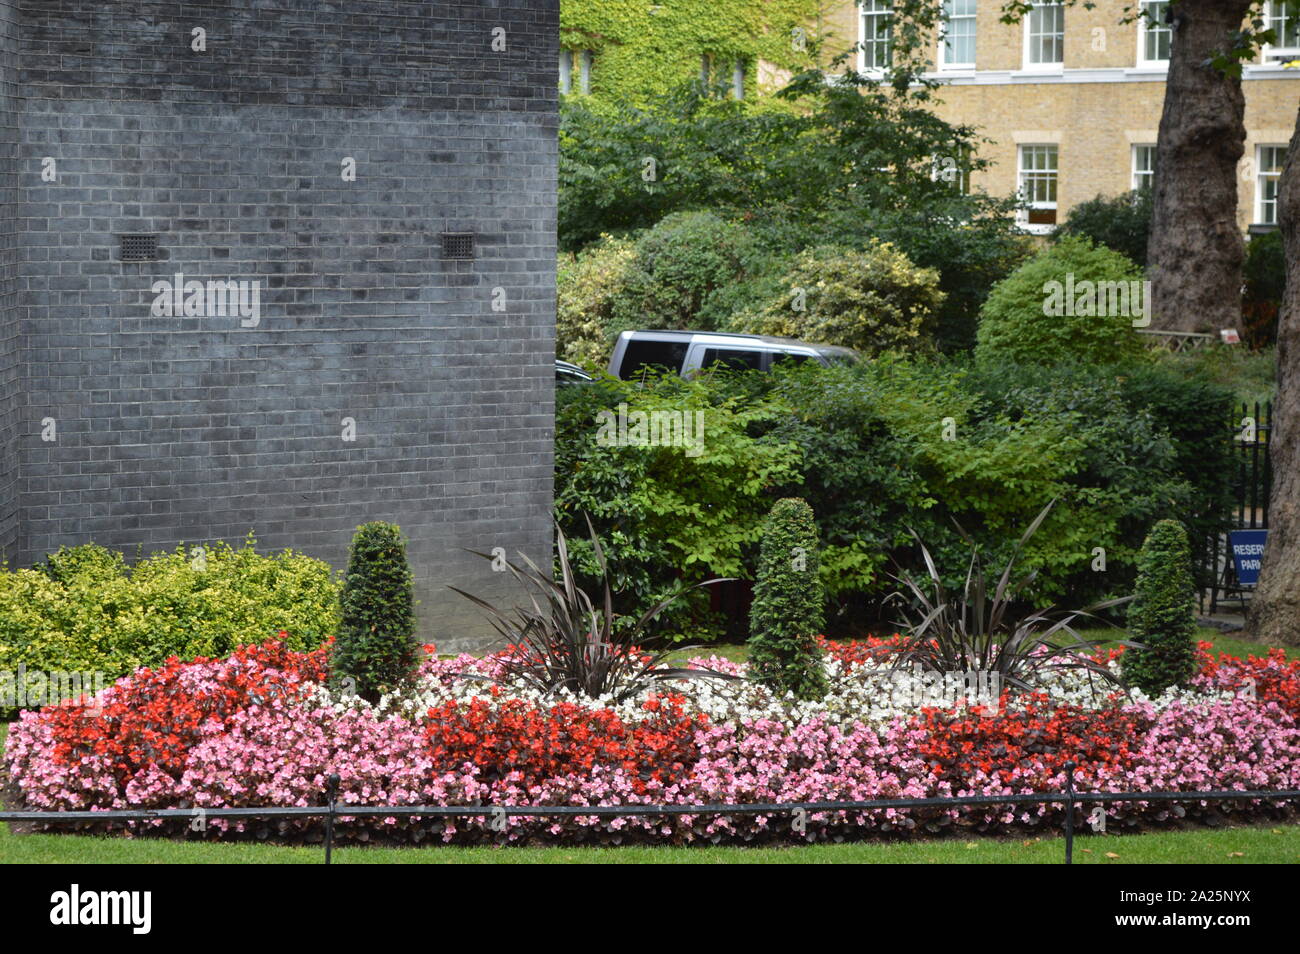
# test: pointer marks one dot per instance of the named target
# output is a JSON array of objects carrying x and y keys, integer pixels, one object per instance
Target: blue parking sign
[{"x": 1247, "y": 551}]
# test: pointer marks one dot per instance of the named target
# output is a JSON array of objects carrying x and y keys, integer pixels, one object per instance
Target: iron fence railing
[
  {"x": 1249, "y": 432},
  {"x": 331, "y": 810}
]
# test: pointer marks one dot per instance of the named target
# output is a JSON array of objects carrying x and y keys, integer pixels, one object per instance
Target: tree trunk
[
  {"x": 1275, "y": 609},
  {"x": 1196, "y": 251}
]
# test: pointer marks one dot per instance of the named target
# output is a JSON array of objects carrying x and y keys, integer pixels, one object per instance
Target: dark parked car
[{"x": 568, "y": 373}]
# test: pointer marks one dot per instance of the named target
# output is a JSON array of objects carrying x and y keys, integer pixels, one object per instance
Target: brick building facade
[
  {"x": 1071, "y": 98},
  {"x": 356, "y": 206}
]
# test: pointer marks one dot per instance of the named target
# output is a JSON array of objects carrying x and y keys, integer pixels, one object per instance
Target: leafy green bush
[
  {"x": 84, "y": 610},
  {"x": 971, "y": 253},
  {"x": 667, "y": 515},
  {"x": 1162, "y": 615},
  {"x": 1192, "y": 408},
  {"x": 87, "y": 561},
  {"x": 680, "y": 272},
  {"x": 859, "y": 470},
  {"x": 1249, "y": 376},
  {"x": 787, "y": 613},
  {"x": 830, "y": 163},
  {"x": 1119, "y": 448},
  {"x": 1073, "y": 302},
  {"x": 1121, "y": 223},
  {"x": 376, "y": 648},
  {"x": 901, "y": 444},
  {"x": 1126, "y": 472},
  {"x": 873, "y": 300},
  {"x": 587, "y": 285}
]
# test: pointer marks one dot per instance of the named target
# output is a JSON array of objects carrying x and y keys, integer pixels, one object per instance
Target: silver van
[{"x": 687, "y": 352}]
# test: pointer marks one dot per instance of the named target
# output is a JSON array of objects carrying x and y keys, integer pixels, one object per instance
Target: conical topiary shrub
[
  {"x": 787, "y": 614},
  {"x": 1162, "y": 615},
  {"x": 375, "y": 648}
]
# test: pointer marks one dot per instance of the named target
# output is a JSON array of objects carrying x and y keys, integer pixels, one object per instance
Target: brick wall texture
[
  {"x": 235, "y": 146},
  {"x": 1095, "y": 119}
]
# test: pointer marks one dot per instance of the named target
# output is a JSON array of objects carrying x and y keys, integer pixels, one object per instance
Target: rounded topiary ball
[{"x": 1072, "y": 303}]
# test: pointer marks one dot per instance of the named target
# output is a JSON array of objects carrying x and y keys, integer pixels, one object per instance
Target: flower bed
[{"x": 260, "y": 729}]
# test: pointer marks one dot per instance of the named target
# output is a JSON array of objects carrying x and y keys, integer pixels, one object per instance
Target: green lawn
[
  {"x": 1232, "y": 643},
  {"x": 1263, "y": 845}
]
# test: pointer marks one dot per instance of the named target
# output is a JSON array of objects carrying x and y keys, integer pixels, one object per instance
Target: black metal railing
[
  {"x": 331, "y": 810},
  {"x": 1251, "y": 483}
]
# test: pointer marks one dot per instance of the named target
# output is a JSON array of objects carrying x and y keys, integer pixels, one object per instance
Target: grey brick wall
[
  {"x": 181, "y": 429},
  {"x": 10, "y": 279}
]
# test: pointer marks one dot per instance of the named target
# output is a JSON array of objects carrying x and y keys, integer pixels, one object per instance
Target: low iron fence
[
  {"x": 1178, "y": 341},
  {"x": 331, "y": 810}
]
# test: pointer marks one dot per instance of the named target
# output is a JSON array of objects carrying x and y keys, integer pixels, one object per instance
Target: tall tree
[
  {"x": 1275, "y": 610},
  {"x": 1195, "y": 252}
]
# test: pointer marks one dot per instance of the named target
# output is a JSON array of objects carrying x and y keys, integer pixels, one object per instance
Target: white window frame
[
  {"x": 1286, "y": 53},
  {"x": 1144, "y": 29},
  {"x": 1263, "y": 205},
  {"x": 1041, "y": 228},
  {"x": 877, "y": 7},
  {"x": 943, "y": 61},
  {"x": 1026, "y": 64},
  {"x": 1137, "y": 171}
]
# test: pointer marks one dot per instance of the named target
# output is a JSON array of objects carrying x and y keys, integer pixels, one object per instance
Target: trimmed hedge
[
  {"x": 1162, "y": 616},
  {"x": 1072, "y": 303},
  {"x": 85, "y": 610},
  {"x": 787, "y": 613},
  {"x": 376, "y": 648}
]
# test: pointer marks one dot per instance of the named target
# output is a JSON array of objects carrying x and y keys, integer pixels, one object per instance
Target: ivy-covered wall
[{"x": 641, "y": 48}]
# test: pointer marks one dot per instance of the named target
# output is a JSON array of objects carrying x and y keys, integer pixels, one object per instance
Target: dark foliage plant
[
  {"x": 1192, "y": 411},
  {"x": 1162, "y": 616},
  {"x": 1263, "y": 288},
  {"x": 1121, "y": 222},
  {"x": 787, "y": 614},
  {"x": 563, "y": 640},
  {"x": 983, "y": 628},
  {"x": 375, "y": 648}
]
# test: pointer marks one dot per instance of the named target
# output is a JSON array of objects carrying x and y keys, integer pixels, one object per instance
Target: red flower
[{"x": 516, "y": 736}]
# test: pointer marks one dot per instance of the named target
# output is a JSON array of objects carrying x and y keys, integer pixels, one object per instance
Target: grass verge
[{"x": 1251, "y": 845}]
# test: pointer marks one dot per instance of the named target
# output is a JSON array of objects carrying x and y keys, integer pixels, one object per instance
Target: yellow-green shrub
[
  {"x": 587, "y": 285},
  {"x": 873, "y": 299},
  {"x": 84, "y": 610}
]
